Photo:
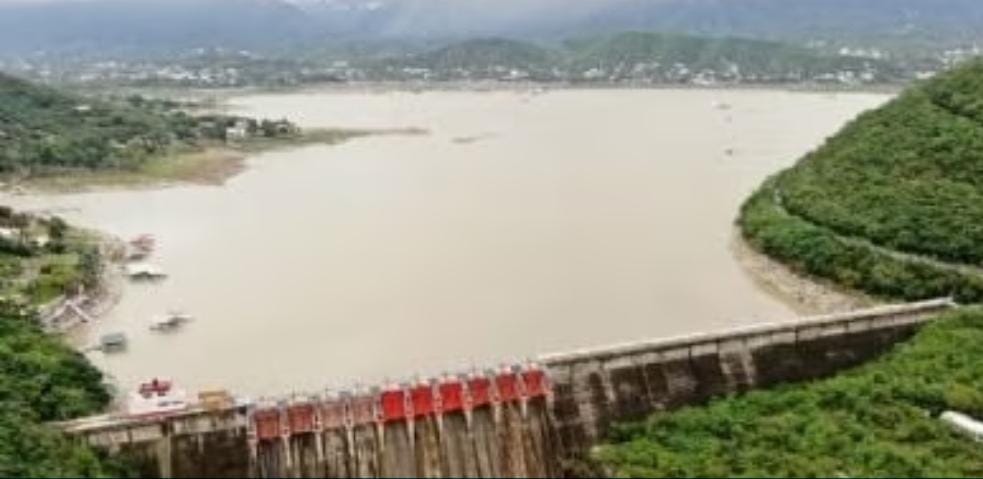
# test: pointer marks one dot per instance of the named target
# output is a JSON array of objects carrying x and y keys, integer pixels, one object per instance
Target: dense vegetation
[
  {"x": 653, "y": 57},
  {"x": 755, "y": 59},
  {"x": 877, "y": 421},
  {"x": 65, "y": 27},
  {"x": 893, "y": 204},
  {"x": 43, "y": 258},
  {"x": 41, "y": 378},
  {"x": 43, "y": 129},
  {"x": 481, "y": 55}
]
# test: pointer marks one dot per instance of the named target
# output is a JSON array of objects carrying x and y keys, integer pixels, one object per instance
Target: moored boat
[
  {"x": 156, "y": 397},
  {"x": 143, "y": 271},
  {"x": 170, "y": 321}
]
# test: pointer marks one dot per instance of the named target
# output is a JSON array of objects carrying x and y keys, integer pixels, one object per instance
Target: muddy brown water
[{"x": 522, "y": 224}]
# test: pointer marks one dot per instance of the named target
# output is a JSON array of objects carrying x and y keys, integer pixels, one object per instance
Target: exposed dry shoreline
[
  {"x": 803, "y": 294},
  {"x": 212, "y": 165},
  {"x": 209, "y": 166},
  {"x": 67, "y": 314}
]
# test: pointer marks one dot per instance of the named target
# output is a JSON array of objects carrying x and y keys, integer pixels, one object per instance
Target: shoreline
[
  {"x": 212, "y": 165},
  {"x": 803, "y": 294},
  {"x": 220, "y": 95},
  {"x": 68, "y": 315}
]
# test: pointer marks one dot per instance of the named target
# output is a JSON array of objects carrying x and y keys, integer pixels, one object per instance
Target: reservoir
[{"x": 522, "y": 223}]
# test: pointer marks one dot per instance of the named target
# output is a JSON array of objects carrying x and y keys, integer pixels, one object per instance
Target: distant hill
[
  {"x": 138, "y": 26},
  {"x": 788, "y": 20},
  {"x": 795, "y": 20},
  {"x": 642, "y": 56},
  {"x": 742, "y": 57},
  {"x": 893, "y": 204},
  {"x": 486, "y": 53}
]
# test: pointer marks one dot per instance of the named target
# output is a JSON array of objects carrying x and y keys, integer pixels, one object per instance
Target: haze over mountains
[{"x": 140, "y": 25}]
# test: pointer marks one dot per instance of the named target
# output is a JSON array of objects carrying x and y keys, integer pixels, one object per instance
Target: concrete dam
[{"x": 533, "y": 420}]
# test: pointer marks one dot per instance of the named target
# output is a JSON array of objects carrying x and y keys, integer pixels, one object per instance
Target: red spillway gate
[
  {"x": 421, "y": 397},
  {"x": 450, "y": 395},
  {"x": 301, "y": 418},
  {"x": 480, "y": 389},
  {"x": 362, "y": 410},
  {"x": 535, "y": 382},
  {"x": 507, "y": 386},
  {"x": 393, "y": 405},
  {"x": 333, "y": 414},
  {"x": 267, "y": 422}
]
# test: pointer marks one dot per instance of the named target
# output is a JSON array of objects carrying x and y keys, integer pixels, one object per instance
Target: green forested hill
[
  {"x": 754, "y": 58},
  {"x": 41, "y": 378},
  {"x": 649, "y": 56},
  {"x": 880, "y": 420},
  {"x": 486, "y": 53},
  {"x": 893, "y": 204},
  {"x": 43, "y": 129}
]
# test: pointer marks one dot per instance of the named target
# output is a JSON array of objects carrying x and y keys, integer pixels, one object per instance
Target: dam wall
[
  {"x": 595, "y": 388},
  {"x": 533, "y": 420}
]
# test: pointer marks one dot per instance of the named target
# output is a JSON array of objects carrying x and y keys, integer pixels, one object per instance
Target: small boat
[
  {"x": 723, "y": 106},
  {"x": 171, "y": 321},
  {"x": 143, "y": 271},
  {"x": 145, "y": 242},
  {"x": 136, "y": 254},
  {"x": 140, "y": 247},
  {"x": 155, "y": 398},
  {"x": 112, "y": 342}
]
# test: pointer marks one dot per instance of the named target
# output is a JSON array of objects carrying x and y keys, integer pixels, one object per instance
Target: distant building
[
  {"x": 239, "y": 131},
  {"x": 41, "y": 241}
]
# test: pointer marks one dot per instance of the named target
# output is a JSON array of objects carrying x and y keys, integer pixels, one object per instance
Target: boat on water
[
  {"x": 170, "y": 321},
  {"x": 143, "y": 271},
  {"x": 140, "y": 247},
  {"x": 112, "y": 342},
  {"x": 145, "y": 241},
  {"x": 156, "y": 397}
]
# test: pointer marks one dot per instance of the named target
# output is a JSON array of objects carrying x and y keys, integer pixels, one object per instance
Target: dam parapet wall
[
  {"x": 538, "y": 419},
  {"x": 595, "y": 388}
]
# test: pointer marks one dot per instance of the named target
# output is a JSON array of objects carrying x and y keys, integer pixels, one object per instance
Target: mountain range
[{"x": 69, "y": 26}]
